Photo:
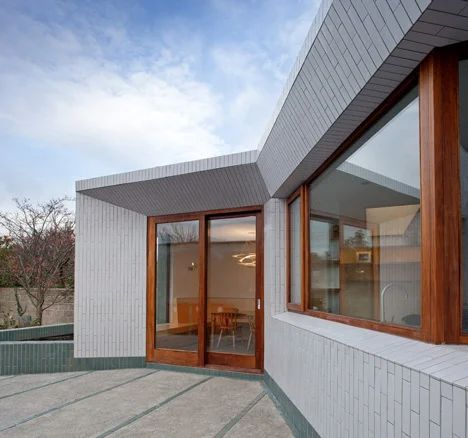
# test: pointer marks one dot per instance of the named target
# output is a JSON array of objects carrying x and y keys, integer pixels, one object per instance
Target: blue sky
[{"x": 90, "y": 88}]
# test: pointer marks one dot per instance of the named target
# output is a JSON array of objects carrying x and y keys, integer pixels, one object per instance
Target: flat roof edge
[{"x": 204, "y": 164}]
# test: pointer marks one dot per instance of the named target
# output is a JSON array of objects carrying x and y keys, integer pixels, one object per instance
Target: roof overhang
[
  {"x": 354, "y": 56},
  {"x": 228, "y": 181}
]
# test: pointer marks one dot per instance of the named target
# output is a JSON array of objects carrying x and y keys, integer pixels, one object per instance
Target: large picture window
[
  {"x": 382, "y": 239},
  {"x": 365, "y": 226}
]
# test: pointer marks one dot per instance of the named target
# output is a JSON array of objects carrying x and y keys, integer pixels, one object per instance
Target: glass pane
[
  {"x": 325, "y": 264},
  {"x": 464, "y": 184},
  {"x": 365, "y": 224},
  {"x": 295, "y": 251},
  {"x": 231, "y": 285},
  {"x": 177, "y": 286},
  {"x": 358, "y": 274}
]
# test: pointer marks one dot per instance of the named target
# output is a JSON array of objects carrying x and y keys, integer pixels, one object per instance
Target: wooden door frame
[{"x": 202, "y": 358}]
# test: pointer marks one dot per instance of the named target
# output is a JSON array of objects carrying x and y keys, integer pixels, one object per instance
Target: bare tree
[
  {"x": 178, "y": 233},
  {"x": 41, "y": 251}
]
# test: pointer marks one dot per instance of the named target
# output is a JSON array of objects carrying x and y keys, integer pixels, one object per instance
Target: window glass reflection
[
  {"x": 177, "y": 276},
  {"x": 364, "y": 224}
]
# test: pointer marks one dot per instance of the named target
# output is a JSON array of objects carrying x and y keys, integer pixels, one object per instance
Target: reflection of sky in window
[{"x": 394, "y": 150}]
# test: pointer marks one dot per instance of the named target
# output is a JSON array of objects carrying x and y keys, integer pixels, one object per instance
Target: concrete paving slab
[
  {"x": 201, "y": 412},
  {"x": 141, "y": 402},
  {"x": 263, "y": 420},
  {"x": 5, "y": 377},
  {"x": 15, "y": 384},
  {"x": 102, "y": 412},
  {"x": 20, "y": 407}
]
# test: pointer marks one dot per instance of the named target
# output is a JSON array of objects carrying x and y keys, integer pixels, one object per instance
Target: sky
[{"x": 93, "y": 88}]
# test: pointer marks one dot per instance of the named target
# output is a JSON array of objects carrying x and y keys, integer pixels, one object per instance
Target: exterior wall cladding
[
  {"x": 346, "y": 381},
  {"x": 110, "y": 285}
]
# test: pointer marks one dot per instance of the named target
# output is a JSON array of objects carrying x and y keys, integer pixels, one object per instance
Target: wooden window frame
[
  {"x": 295, "y": 307},
  {"x": 441, "y": 306}
]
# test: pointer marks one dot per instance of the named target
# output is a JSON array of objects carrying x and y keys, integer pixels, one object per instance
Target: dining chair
[
  {"x": 227, "y": 323},
  {"x": 251, "y": 321}
]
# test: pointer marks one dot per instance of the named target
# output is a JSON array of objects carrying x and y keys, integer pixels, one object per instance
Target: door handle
[{"x": 259, "y": 304}]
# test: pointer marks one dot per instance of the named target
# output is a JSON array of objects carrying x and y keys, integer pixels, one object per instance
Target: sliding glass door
[
  {"x": 232, "y": 291},
  {"x": 177, "y": 290},
  {"x": 204, "y": 290}
]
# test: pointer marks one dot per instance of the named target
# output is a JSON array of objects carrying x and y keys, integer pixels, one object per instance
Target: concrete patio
[{"x": 136, "y": 402}]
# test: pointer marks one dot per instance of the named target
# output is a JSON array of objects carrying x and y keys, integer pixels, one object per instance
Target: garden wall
[{"x": 59, "y": 313}]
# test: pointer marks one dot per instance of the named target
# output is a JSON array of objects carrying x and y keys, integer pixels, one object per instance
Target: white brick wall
[
  {"x": 110, "y": 280},
  {"x": 351, "y": 382}
]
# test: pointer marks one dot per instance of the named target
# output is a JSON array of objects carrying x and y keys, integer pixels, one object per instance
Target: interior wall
[
  {"x": 228, "y": 282},
  {"x": 226, "y": 277}
]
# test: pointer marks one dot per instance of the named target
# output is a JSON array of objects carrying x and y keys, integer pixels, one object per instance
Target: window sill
[{"x": 448, "y": 363}]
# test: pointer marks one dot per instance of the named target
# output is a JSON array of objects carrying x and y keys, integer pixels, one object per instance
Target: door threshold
[
  {"x": 235, "y": 370},
  {"x": 211, "y": 370}
]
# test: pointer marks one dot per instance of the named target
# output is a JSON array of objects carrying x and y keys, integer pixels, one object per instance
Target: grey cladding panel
[
  {"x": 234, "y": 186},
  {"x": 362, "y": 52}
]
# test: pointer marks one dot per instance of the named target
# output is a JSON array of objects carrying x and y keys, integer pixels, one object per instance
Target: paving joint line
[
  {"x": 2, "y": 378},
  {"x": 227, "y": 427},
  {"x": 56, "y": 408},
  {"x": 152, "y": 408},
  {"x": 45, "y": 385}
]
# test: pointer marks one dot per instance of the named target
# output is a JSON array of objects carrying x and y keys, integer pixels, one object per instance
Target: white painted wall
[
  {"x": 110, "y": 280},
  {"x": 352, "y": 382}
]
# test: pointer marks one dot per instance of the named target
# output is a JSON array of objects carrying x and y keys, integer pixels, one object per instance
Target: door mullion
[{"x": 202, "y": 317}]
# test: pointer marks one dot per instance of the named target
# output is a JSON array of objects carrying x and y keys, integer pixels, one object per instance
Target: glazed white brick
[
  {"x": 434, "y": 430},
  {"x": 434, "y": 400},
  {"x": 110, "y": 284},
  {"x": 459, "y": 412},
  {"x": 406, "y": 407},
  {"x": 446, "y": 417}
]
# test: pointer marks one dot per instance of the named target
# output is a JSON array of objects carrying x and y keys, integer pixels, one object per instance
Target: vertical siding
[
  {"x": 110, "y": 280},
  {"x": 274, "y": 212},
  {"x": 275, "y": 256}
]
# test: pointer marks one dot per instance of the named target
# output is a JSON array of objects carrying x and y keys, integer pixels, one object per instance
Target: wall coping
[
  {"x": 34, "y": 332},
  {"x": 448, "y": 363}
]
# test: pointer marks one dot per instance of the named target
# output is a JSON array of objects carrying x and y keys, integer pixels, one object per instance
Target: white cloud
[
  {"x": 294, "y": 31},
  {"x": 84, "y": 81},
  {"x": 153, "y": 111}
]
